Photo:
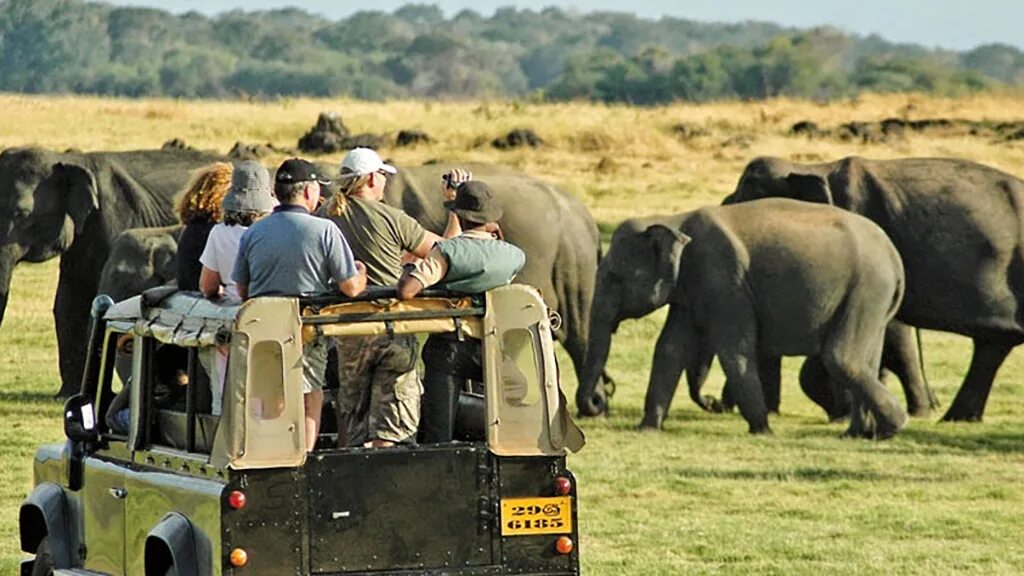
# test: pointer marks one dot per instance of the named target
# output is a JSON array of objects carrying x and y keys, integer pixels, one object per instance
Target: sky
[{"x": 955, "y": 24}]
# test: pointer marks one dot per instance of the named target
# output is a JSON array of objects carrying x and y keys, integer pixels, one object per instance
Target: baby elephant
[{"x": 762, "y": 279}]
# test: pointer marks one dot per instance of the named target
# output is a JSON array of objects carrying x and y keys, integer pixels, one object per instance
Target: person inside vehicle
[
  {"x": 169, "y": 389},
  {"x": 199, "y": 209},
  {"x": 249, "y": 199},
  {"x": 473, "y": 262},
  {"x": 378, "y": 401},
  {"x": 291, "y": 252}
]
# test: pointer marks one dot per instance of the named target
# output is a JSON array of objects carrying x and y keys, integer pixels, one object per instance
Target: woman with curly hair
[{"x": 199, "y": 209}]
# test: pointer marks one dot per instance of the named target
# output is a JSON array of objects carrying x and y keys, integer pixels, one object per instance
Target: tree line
[{"x": 71, "y": 46}]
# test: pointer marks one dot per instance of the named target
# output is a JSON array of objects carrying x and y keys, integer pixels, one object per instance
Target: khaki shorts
[
  {"x": 314, "y": 364},
  {"x": 378, "y": 390}
]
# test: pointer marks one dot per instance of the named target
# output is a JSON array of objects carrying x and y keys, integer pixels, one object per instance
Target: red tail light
[
  {"x": 563, "y": 545},
  {"x": 562, "y": 486},
  {"x": 236, "y": 499}
]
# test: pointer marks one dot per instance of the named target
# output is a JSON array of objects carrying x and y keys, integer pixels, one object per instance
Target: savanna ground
[{"x": 701, "y": 496}]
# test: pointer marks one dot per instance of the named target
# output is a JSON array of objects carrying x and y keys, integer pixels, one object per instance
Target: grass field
[{"x": 701, "y": 496}]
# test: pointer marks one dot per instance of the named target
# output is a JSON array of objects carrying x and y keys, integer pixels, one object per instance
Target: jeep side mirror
[{"x": 80, "y": 419}]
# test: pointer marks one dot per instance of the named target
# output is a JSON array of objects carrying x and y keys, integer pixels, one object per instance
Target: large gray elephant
[
  {"x": 956, "y": 224},
  {"x": 743, "y": 283},
  {"x": 555, "y": 230},
  {"x": 73, "y": 205}
]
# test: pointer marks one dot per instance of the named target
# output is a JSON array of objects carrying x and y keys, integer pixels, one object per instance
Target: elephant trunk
[
  {"x": 9, "y": 257},
  {"x": 591, "y": 399}
]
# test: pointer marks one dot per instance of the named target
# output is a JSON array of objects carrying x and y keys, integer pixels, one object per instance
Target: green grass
[{"x": 701, "y": 496}]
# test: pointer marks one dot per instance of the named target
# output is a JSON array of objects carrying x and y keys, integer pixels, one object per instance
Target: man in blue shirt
[{"x": 293, "y": 253}]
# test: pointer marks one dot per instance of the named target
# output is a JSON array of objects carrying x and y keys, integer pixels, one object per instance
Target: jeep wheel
[{"x": 43, "y": 565}]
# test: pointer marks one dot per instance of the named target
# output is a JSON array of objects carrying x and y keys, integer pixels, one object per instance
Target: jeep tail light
[
  {"x": 236, "y": 499},
  {"x": 563, "y": 545},
  {"x": 239, "y": 557},
  {"x": 563, "y": 486}
]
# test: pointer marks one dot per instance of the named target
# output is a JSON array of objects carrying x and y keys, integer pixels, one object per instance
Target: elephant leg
[
  {"x": 669, "y": 360},
  {"x": 71, "y": 319},
  {"x": 696, "y": 375},
  {"x": 770, "y": 372},
  {"x": 969, "y": 404},
  {"x": 741, "y": 369},
  {"x": 854, "y": 364},
  {"x": 819, "y": 387},
  {"x": 771, "y": 379},
  {"x": 901, "y": 357}
]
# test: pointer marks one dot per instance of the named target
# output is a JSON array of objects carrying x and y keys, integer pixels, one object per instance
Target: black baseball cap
[
  {"x": 295, "y": 170},
  {"x": 475, "y": 202}
]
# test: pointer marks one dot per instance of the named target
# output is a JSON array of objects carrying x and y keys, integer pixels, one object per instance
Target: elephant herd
[{"x": 834, "y": 261}]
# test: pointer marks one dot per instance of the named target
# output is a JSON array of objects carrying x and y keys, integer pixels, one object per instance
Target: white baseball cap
[{"x": 363, "y": 161}]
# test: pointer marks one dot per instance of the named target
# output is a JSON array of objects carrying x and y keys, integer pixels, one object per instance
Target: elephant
[
  {"x": 140, "y": 258},
  {"x": 73, "y": 205},
  {"x": 743, "y": 283},
  {"x": 956, "y": 225},
  {"x": 555, "y": 230}
]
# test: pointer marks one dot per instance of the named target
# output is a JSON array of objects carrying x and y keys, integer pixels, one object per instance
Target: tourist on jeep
[
  {"x": 475, "y": 261},
  {"x": 199, "y": 209},
  {"x": 378, "y": 402},
  {"x": 293, "y": 253}
]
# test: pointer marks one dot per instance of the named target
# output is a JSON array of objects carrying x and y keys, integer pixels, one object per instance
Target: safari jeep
[{"x": 175, "y": 490}]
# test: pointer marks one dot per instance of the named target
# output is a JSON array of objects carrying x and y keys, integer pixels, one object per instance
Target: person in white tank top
[{"x": 249, "y": 199}]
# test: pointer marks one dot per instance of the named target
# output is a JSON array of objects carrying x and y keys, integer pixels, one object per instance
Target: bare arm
[
  {"x": 354, "y": 285},
  {"x": 408, "y": 286},
  {"x": 428, "y": 242},
  {"x": 449, "y": 185},
  {"x": 209, "y": 283},
  {"x": 454, "y": 228},
  {"x": 243, "y": 290}
]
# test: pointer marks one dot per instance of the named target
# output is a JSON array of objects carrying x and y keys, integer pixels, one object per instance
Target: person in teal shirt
[{"x": 475, "y": 261}]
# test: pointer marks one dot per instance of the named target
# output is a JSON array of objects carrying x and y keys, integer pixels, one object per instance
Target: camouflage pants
[{"x": 378, "y": 389}]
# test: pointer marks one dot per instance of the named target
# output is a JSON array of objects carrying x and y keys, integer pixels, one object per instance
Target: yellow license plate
[{"x": 526, "y": 516}]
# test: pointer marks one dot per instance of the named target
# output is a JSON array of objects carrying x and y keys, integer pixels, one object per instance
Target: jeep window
[
  {"x": 267, "y": 393},
  {"x": 112, "y": 392},
  {"x": 171, "y": 385},
  {"x": 521, "y": 372}
]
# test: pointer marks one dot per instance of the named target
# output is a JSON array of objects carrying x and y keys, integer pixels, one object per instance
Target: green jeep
[{"x": 179, "y": 491}]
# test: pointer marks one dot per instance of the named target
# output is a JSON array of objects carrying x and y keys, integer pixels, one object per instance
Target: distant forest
[{"x": 69, "y": 46}]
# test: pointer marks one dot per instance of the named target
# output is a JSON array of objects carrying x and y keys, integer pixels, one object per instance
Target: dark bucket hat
[{"x": 475, "y": 202}]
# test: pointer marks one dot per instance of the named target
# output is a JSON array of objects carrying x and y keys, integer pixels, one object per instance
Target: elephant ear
[
  {"x": 79, "y": 188},
  {"x": 668, "y": 245},
  {"x": 810, "y": 188}
]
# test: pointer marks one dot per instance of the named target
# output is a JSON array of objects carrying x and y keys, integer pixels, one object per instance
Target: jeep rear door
[{"x": 428, "y": 507}]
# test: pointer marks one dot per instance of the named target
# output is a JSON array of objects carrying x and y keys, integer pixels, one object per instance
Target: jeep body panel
[{"x": 198, "y": 492}]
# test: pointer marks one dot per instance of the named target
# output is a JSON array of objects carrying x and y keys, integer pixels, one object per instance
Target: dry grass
[
  {"x": 622, "y": 161},
  {"x": 701, "y": 496}
]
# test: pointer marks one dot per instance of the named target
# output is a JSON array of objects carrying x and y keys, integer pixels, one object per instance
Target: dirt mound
[
  {"x": 806, "y": 128},
  {"x": 891, "y": 129},
  {"x": 176, "y": 144},
  {"x": 328, "y": 135},
  {"x": 517, "y": 138},
  {"x": 412, "y": 138},
  {"x": 243, "y": 151}
]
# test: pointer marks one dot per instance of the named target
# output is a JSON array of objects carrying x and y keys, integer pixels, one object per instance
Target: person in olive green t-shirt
[{"x": 379, "y": 390}]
